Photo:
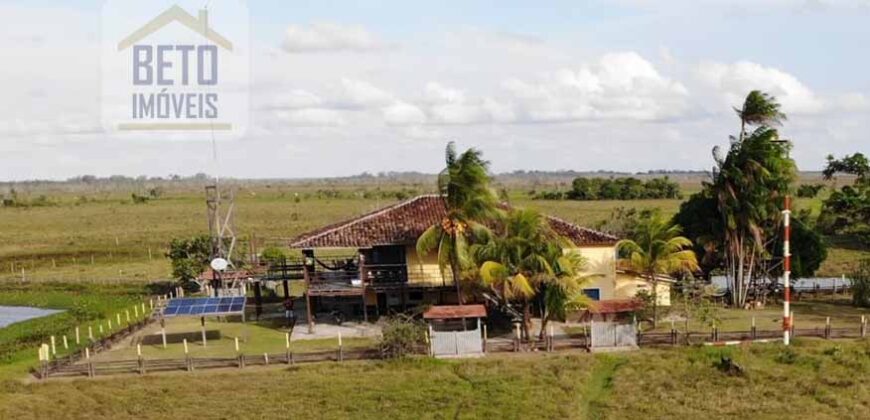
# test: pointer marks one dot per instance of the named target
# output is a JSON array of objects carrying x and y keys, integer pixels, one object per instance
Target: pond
[{"x": 13, "y": 314}]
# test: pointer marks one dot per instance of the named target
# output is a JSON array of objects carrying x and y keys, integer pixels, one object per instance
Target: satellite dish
[{"x": 219, "y": 264}]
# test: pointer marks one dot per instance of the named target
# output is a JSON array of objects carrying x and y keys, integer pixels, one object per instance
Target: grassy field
[
  {"x": 830, "y": 379},
  {"x": 83, "y": 305},
  {"x": 108, "y": 239}
]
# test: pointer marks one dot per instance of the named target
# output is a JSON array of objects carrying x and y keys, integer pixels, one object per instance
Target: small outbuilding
[{"x": 455, "y": 330}]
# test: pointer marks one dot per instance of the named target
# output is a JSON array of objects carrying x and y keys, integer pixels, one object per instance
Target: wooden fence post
[
  {"x": 754, "y": 330},
  {"x": 239, "y": 354},
  {"x": 827, "y": 328},
  {"x": 340, "y": 348},
  {"x": 141, "y": 360},
  {"x": 78, "y": 337},
  {"x": 91, "y": 372},
  {"x": 863, "y": 326},
  {"x": 485, "y": 337}
]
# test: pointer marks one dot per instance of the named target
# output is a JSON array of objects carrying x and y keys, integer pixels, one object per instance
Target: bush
[
  {"x": 273, "y": 255},
  {"x": 861, "y": 285},
  {"x": 809, "y": 191},
  {"x": 402, "y": 336}
]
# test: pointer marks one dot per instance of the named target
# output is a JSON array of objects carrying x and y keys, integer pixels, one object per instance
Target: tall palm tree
[
  {"x": 469, "y": 202},
  {"x": 759, "y": 109},
  {"x": 525, "y": 258},
  {"x": 656, "y": 249}
]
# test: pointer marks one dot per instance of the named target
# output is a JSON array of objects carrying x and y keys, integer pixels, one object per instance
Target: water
[
  {"x": 13, "y": 314},
  {"x": 825, "y": 283}
]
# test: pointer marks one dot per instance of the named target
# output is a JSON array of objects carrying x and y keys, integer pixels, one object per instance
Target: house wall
[
  {"x": 425, "y": 270},
  {"x": 601, "y": 267},
  {"x": 627, "y": 286}
]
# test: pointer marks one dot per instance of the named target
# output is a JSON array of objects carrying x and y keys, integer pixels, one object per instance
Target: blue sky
[{"x": 626, "y": 85}]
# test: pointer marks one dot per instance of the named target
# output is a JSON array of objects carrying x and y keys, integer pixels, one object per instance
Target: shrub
[
  {"x": 273, "y": 255},
  {"x": 861, "y": 285},
  {"x": 402, "y": 336}
]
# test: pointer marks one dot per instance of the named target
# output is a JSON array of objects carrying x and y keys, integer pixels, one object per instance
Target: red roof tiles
[
  {"x": 455, "y": 312},
  {"x": 615, "y": 306},
  {"x": 404, "y": 222}
]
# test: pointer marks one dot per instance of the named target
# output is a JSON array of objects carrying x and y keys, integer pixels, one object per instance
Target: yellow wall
[
  {"x": 601, "y": 266},
  {"x": 600, "y": 263},
  {"x": 627, "y": 286},
  {"x": 425, "y": 271}
]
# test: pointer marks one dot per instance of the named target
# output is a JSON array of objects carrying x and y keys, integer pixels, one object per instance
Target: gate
[
  {"x": 611, "y": 334},
  {"x": 456, "y": 343}
]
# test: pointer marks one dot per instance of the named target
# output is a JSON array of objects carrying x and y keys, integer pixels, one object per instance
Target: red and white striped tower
[{"x": 786, "y": 274}]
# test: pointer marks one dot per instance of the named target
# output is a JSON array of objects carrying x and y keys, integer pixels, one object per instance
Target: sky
[{"x": 343, "y": 87}]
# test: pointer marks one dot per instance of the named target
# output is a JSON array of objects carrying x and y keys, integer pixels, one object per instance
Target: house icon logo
[
  {"x": 177, "y": 14},
  {"x": 175, "y": 73}
]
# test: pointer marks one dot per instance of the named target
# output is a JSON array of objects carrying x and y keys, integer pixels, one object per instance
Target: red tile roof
[
  {"x": 455, "y": 312},
  {"x": 404, "y": 222},
  {"x": 615, "y": 306}
]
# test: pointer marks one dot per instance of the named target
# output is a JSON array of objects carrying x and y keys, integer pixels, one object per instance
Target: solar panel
[{"x": 204, "y": 306}]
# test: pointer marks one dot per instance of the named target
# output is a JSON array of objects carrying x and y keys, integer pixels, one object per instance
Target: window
[{"x": 594, "y": 294}]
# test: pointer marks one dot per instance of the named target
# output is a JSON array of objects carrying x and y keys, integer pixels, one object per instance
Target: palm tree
[
  {"x": 469, "y": 202},
  {"x": 525, "y": 258},
  {"x": 657, "y": 248},
  {"x": 759, "y": 109}
]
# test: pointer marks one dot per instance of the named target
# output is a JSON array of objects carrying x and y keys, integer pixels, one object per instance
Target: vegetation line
[{"x": 597, "y": 389}]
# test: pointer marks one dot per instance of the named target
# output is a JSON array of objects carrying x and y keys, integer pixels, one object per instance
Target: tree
[
  {"x": 526, "y": 259},
  {"x": 464, "y": 188},
  {"x": 189, "y": 258},
  {"x": 749, "y": 187},
  {"x": 861, "y": 285},
  {"x": 847, "y": 211},
  {"x": 656, "y": 249},
  {"x": 702, "y": 224},
  {"x": 759, "y": 109}
]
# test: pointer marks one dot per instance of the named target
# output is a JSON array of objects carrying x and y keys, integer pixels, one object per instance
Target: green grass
[
  {"x": 254, "y": 339},
  {"x": 534, "y": 386},
  {"x": 598, "y": 388},
  {"x": 83, "y": 305},
  {"x": 830, "y": 379},
  {"x": 107, "y": 238},
  {"x": 808, "y": 314}
]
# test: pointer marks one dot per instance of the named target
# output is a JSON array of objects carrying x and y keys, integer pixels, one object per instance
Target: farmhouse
[{"x": 372, "y": 262}]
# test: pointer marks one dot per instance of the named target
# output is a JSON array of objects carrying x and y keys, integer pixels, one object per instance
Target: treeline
[{"x": 626, "y": 188}]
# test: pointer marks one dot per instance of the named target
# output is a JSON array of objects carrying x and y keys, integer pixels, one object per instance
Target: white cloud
[
  {"x": 319, "y": 37},
  {"x": 403, "y": 113},
  {"x": 296, "y": 99},
  {"x": 311, "y": 117},
  {"x": 733, "y": 81},
  {"x": 361, "y": 93},
  {"x": 617, "y": 86}
]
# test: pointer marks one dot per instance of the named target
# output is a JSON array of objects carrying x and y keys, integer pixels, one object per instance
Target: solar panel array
[{"x": 205, "y": 306}]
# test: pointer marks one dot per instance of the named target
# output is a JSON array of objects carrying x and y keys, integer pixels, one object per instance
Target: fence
[
  {"x": 78, "y": 364},
  {"x": 456, "y": 343},
  {"x": 612, "y": 335}
]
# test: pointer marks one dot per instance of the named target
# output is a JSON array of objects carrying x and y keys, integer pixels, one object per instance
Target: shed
[{"x": 449, "y": 333}]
